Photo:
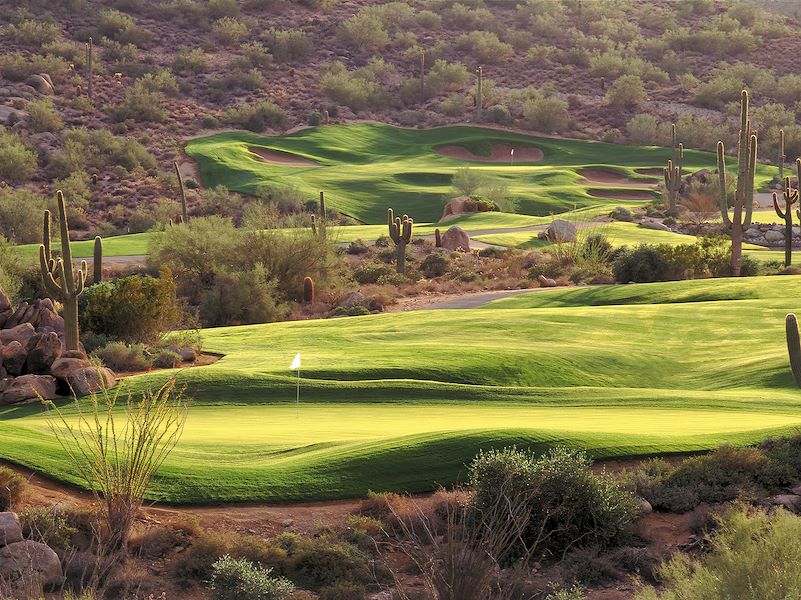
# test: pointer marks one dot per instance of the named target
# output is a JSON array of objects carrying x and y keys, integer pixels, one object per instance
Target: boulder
[
  {"x": 10, "y": 529},
  {"x": 560, "y": 231},
  {"x": 10, "y": 115},
  {"x": 187, "y": 354},
  {"x": 21, "y": 333},
  {"x": 456, "y": 238},
  {"x": 16, "y": 317},
  {"x": 6, "y": 310},
  {"x": 28, "y": 568},
  {"x": 774, "y": 236},
  {"x": 14, "y": 358},
  {"x": 546, "y": 281},
  {"x": 29, "y": 388},
  {"x": 654, "y": 225},
  {"x": 63, "y": 367},
  {"x": 91, "y": 379},
  {"x": 645, "y": 506},
  {"x": 41, "y": 83},
  {"x": 74, "y": 354},
  {"x": 790, "y": 502},
  {"x": 43, "y": 350},
  {"x": 352, "y": 299}
]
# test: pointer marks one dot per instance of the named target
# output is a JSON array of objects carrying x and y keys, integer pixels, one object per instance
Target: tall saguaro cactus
[
  {"x": 793, "y": 346},
  {"x": 61, "y": 280},
  {"x": 422, "y": 75},
  {"x": 673, "y": 174},
  {"x": 744, "y": 195},
  {"x": 400, "y": 231},
  {"x": 479, "y": 92},
  {"x": 790, "y": 198},
  {"x": 184, "y": 211},
  {"x": 90, "y": 55}
]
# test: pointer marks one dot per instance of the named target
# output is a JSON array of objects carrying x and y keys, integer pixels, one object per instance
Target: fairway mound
[
  {"x": 653, "y": 171},
  {"x": 499, "y": 153},
  {"x": 276, "y": 157},
  {"x": 608, "y": 177},
  {"x": 620, "y": 194}
]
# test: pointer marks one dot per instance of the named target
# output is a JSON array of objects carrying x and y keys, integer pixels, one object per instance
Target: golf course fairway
[{"x": 403, "y": 401}]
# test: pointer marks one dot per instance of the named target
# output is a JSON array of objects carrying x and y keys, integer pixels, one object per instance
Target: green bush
[
  {"x": 166, "y": 359},
  {"x": 642, "y": 264},
  {"x": 360, "y": 89},
  {"x": 288, "y": 45},
  {"x": 570, "y": 505},
  {"x": 137, "y": 308},
  {"x": 343, "y": 591},
  {"x": 435, "y": 264},
  {"x": 364, "y": 31},
  {"x": 257, "y": 117},
  {"x": 17, "y": 66},
  {"x": 753, "y": 554},
  {"x": 190, "y": 60},
  {"x": 97, "y": 149},
  {"x": 325, "y": 561},
  {"x": 241, "y": 298},
  {"x": 371, "y": 272},
  {"x": 240, "y": 579},
  {"x": 17, "y": 162},
  {"x": 446, "y": 77},
  {"x": 12, "y": 486},
  {"x": 484, "y": 46},
  {"x": 48, "y": 526},
  {"x": 228, "y": 31},
  {"x": 141, "y": 103},
  {"x": 548, "y": 114},
  {"x": 44, "y": 115},
  {"x": 121, "y": 357},
  {"x": 122, "y": 28},
  {"x": 33, "y": 33},
  {"x": 627, "y": 91}
]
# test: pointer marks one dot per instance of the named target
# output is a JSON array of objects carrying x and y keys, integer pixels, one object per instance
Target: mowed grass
[
  {"x": 403, "y": 401},
  {"x": 365, "y": 168}
]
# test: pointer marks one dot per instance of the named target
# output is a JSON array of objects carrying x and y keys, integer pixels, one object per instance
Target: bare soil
[
  {"x": 499, "y": 153},
  {"x": 620, "y": 194},
  {"x": 276, "y": 157},
  {"x": 604, "y": 177}
]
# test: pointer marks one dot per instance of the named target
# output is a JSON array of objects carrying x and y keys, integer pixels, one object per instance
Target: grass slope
[
  {"x": 402, "y": 401},
  {"x": 367, "y": 167}
]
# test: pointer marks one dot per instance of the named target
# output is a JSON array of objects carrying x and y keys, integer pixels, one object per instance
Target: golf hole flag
[{"x": 295, "y": 366}]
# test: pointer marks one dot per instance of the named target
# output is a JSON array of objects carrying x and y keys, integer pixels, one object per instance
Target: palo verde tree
[
  {"x": 790, "y": 197},
  {"x": 744, "y": 194},
  {"x": 673, "y": 174},
  {"x": 61, "y": 280},
  {"x": 400, "y": 232}
]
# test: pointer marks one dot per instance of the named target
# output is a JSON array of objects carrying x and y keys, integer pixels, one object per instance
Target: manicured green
[
  {"x": 366, "y": 168},
  {"x": 402, "y": 401},
  {"x": 135, "y": 244}
]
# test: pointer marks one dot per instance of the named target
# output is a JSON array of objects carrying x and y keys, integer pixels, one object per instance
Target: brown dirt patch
[
  {"x": 620, "y": 194},
  {"x": 276, "y": 157},
  {"x": 604, "y": 177},
  {"x": 499, "y": 153},
  {"x": 653, "y": 171}
]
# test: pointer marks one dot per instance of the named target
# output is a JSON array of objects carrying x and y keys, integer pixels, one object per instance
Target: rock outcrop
[
  {"x": 456, "y": 238},
  {"x": 27, "y": 568},
  {"x": 559, "y": 231}
]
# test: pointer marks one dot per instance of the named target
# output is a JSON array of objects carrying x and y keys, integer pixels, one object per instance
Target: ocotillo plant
[
  {"x": 60, "y": 278},
  {"x": 793, "y": 347},
  {"x": 744, "y": 195},
  {"x": 790, "y": 198},
  {"x": 308, "y": 290},
  {"x": 90, "y": 54},
  {"x": 673, "y": 175},
  {"x": 184, "y": 212},
  {"x": 97, "y": 263},
  {"x": 400, "y": 231},
  {"x": 479, "y": 92}
]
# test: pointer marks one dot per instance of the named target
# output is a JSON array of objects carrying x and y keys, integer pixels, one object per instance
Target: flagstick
[{"x": 297, "y": 399}]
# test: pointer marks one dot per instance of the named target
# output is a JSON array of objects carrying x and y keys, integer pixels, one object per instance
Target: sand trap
[
  {"x": 602, "y": 176},
  {"x": 620, "y": 194},
  {"x": 276, "y": 157},
  {"x": 653, "y": 171},
  {"x": 499, "y": 153}
]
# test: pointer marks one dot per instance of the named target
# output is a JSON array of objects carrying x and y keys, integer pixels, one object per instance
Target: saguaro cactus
[
  {"x": 673, "y": 174},
  {"x": 308, "y": 290},
  {"x": 437, "y": 238},
  {"x": 744, "y": 195},
  {"x": 422, "y": 75},
  {"x": 184, "y": 212},
  {"x": 479, "y": 92},
  {"x": 61, "y": 280},
  {"x": 400, "y": 231},
  {"x": 790, "y": 198},
  {"x": 793, "y": 346},
  {"x": 97, "y": 263},
  {"x": 90, "y": 54}
]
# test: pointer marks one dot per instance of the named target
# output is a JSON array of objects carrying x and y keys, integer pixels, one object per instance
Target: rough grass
[{"x": 403, "y": 401}]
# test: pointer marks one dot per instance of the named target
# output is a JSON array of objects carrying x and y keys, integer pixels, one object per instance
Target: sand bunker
[
  {"x": 276, "y": 157},
  {"x": 604, "y": 177},
  {"x": 620, "y": 194},
  {"x": 653, "y": 171},
  {"x": 499, "y": 153}
]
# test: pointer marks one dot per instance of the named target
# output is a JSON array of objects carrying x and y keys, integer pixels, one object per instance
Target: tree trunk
[
  {"x": 736, "y": 248},
  {"x": 788, "y": 237},
  {"x": 401, "y": 258},
  {"x": 71, "y": 324}
]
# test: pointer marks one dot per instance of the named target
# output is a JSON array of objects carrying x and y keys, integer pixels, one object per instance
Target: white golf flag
[{"x": 295, "y": 363}]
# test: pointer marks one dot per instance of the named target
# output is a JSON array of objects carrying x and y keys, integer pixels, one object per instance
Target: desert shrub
[
  {"x": 428, "y": 19},
  {"x": 324, "y": 561},
  {"x": 48, "y": 526},
  {"x": 190, "y": 60},
  {"x": 44, "y": 116},
  {"x": 544, "y": 113},
  {"x": 141, "y": 103},
  {"x": 257, "y": 117},
  {"x": 241, "y": 298},
  {"x": 352, "y": 311},
  {"x": 364, "y": 31},
  {"x": 166, "y": 359},
  {"x": 570, "y": 505},
  {"x": 447, "y": 77},
  {"x": 626, "y": 91},
  {"x": 499, "y": 114},
  {"x": 371, "y": 272},
  {"x": 223, "y": 8},
  {"x": 195, "y": 562},
  {"x": 17, "y": 162},
  {"x": 33, "y": 33},
  {"x": 288, "y": 45},
  {"x": 240, "y": 579},
  {"x": 484, "y": 46},
  {"x": 360, "y": 89},
  {"x": 785, "y": 456},
  {"x": 118, "y": 26},
  {"x": 137, "y": 308},
  {"x": 454, "y": 106},
  {"x": 12, "y": 486},
  {"x": 97, "y": 149},
  {"x": 228, "y": 30},
  {"x": 752, "y": 555},
  {"x": 21, "y": 215},
  {"x": 435, "y": 264},
  {"x": 17, "y": 66},
  {"x": 255, "y": 55},
  {"x": 645, "y": 130},
  {"x": 160, "y": 540},
  {"x": 573, "y": 593},
  {"x": 343, "y": 591},
  {"x": 642, "y": 264},
  {"x": 119, "y": 356}
]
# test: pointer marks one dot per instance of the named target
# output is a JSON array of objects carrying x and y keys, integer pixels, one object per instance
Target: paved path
[{"x": 477, "y": 300}]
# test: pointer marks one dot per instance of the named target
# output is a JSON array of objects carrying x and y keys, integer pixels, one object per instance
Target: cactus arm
[
  {"x": 779, "y": 212},
  {"x": 780, "y": 159},
  {"x": 724, "y": 204},
  {"x": 749, "y": 192},
  {"x": 46, "y": 234},
  {"x": 793, "y": 347}
]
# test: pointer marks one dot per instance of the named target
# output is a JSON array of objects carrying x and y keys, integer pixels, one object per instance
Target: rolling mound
[
  {"x": 275, "y": 157},
  {"x": 499, "y": 153}
]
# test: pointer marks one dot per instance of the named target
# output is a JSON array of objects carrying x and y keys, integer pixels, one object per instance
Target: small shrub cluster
[
  {"x": 258, "y": 117},
  {"x": 240, "y": 579},
  {"x": 12, "y": 486}
]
